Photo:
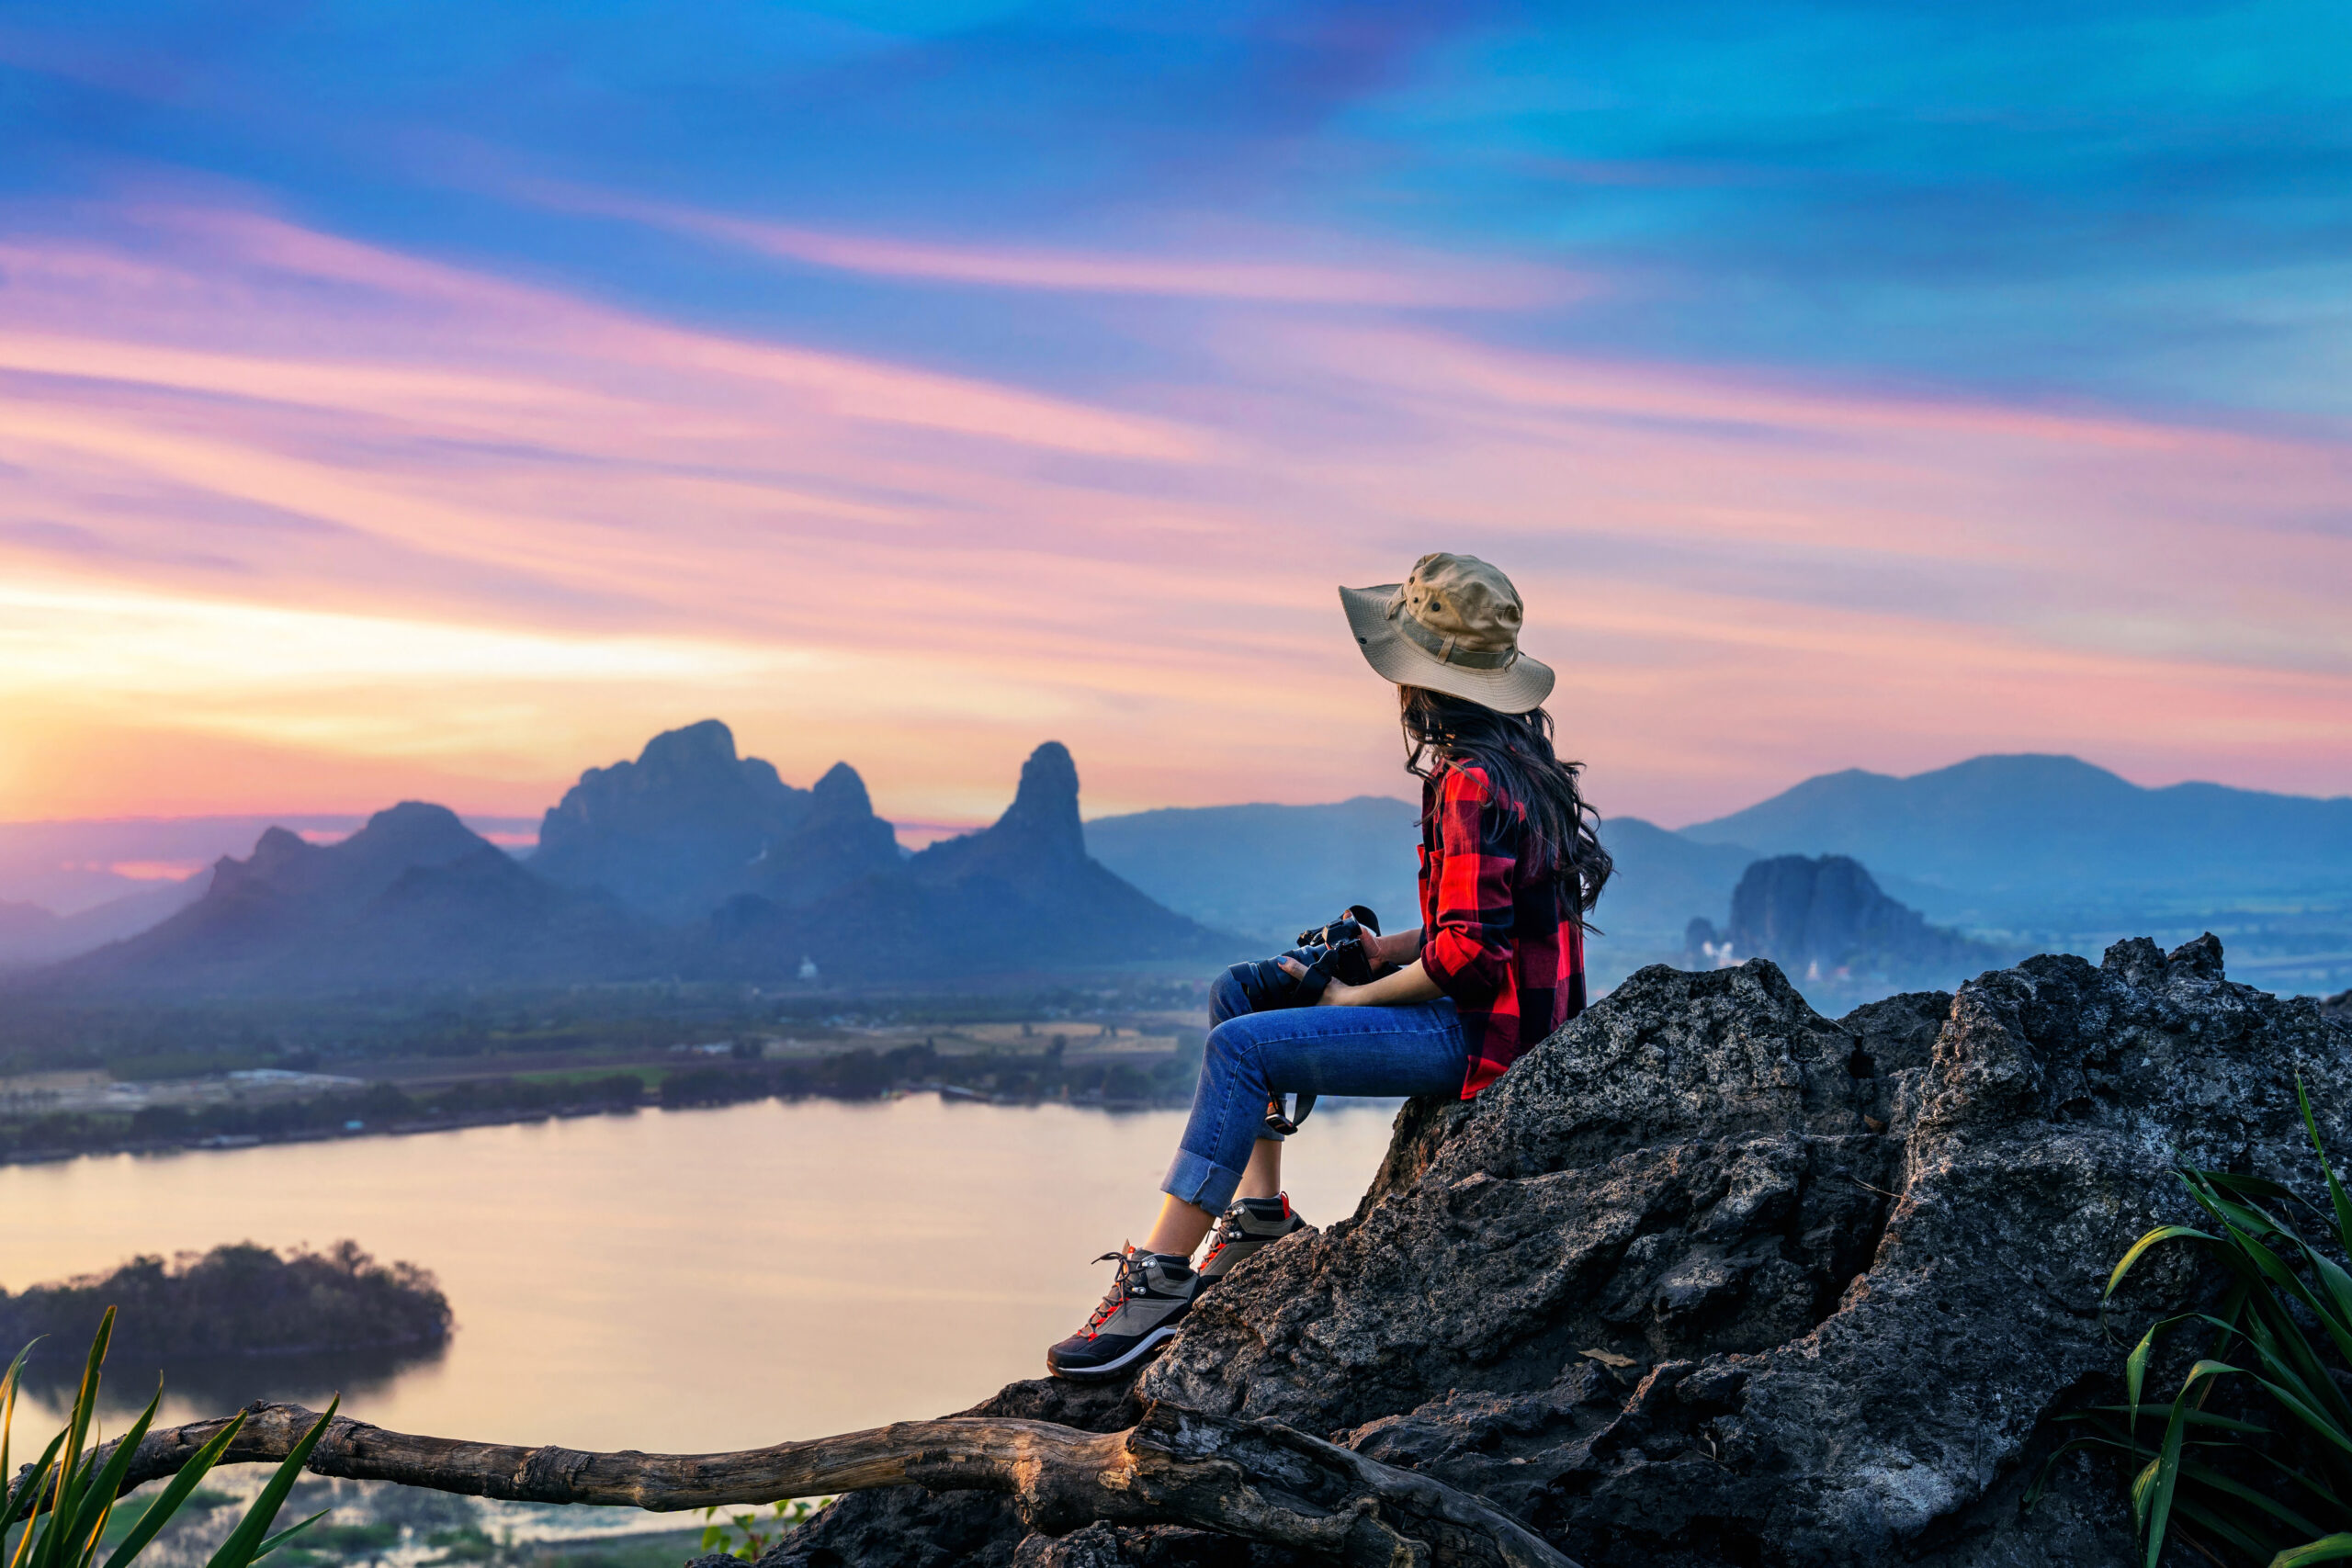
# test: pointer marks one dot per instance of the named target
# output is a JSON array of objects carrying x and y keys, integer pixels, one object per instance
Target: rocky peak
[
  {"x": 1827, "y": 921},
  {"x": 415, "y": 832},
  {"x": 673, "y": 831},
  {"x": 1043, "y": 813},
  {"x": 705, "y": 750},
  {"x": 841, "y": 792}
]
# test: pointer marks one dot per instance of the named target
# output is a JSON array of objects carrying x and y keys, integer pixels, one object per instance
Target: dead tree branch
[{"x": 1254, "y": 1480}]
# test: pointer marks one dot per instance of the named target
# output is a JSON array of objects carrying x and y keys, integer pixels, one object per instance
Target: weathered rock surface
[{"x": 1707, "y": 1278}]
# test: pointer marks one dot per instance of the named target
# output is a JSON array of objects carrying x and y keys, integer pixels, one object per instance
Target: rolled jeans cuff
[{"x": 1203, "y": 1183}]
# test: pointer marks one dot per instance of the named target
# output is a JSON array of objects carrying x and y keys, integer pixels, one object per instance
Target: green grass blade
[
  {"x": 2162, "y": 1233},
  {"x": 2249, "y": 1186},
  {"x": 8, "y": 1406},
  {"x": 108, "y": 1483},
  {"x": 2212, "y": 1480},
  {"x": 2335, "y": 1194},
  {"x": 2165, "y": 1481},
  {"x": 2327, "y": 1548},
  {"x": 2233, "y": 1530},
  {"x": 2135, "y": 1371},
  {"x": 289, "y": 1533},
  {"x": 72, "y": 1475},
  {"x": 245, "y": 1542},
  {"x": 28, "y": 1490},
  {"x": 167, "y": 1503},
  {"x": 2196, "y": 1418}
]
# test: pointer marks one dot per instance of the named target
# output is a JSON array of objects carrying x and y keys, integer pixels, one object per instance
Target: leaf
[
  {"x": 244, "y": 1543},
  {"x": 28, "y": 1491},
  {"x": 8, "y": 1410},
  {"x": 2162, "y": 1233},
  {"x": 2135, "y": 1371},
  {"x": 167, "y": 1503},
  {"x": 2327, "y": 1548},
  {"x": 97, "y": 1500},
  {"x": 2342, "y": 1203},
  {"x": 71, "y": 1474},
  {"x": 289, "y": 1533},
  {"x": 2166, "y": 1478}
]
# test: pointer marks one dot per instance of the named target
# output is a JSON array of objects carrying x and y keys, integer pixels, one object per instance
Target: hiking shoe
[
  {"x": 1147, "y": 1300},
  {"x": 1249, "y": 1225}
]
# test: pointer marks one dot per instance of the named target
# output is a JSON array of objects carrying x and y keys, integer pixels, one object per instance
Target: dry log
[{"x": 1254, "y": 1480}]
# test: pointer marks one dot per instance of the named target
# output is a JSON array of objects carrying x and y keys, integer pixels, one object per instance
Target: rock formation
[
  {"x": 1710, "y": 1280},
  {"x": 414, "y": 897},
  {"x": 690, "y": 824},
  {"x": 1827, "y": 921},
  {"x": 1020, "y": 895},
  {"x": 2338, "y": 1006}
]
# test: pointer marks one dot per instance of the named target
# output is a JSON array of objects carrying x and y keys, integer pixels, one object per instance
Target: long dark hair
[{"x": 1514, "y": 750}]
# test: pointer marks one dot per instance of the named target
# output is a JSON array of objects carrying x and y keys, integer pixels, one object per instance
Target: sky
[{"x": 429, "y": 400}]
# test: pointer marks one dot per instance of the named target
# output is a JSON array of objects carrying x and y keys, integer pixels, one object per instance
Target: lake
[{"x": 677, "y": 1281}]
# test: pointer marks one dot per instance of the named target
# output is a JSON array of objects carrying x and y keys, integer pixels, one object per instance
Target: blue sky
[
  {"x": 2137, "y": 212},
  {"x": 2146, "y": 202}
]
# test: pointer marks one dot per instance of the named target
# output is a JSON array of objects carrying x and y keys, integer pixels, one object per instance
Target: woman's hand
[
  {"x": 1410, "y": 983},
  {"x": 1336, "y": 994},
  {"x": 1396, "y": 947}
]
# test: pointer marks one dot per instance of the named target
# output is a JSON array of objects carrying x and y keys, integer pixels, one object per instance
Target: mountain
[
  {"x": 839, "y": 839},
  {"x": 1268, "y": 871},
  {"x": 1660, "y": 878},
  {"x": 26, "y": 929},
  {"x": 414, "y": 897},
  {"x": 1020, "y": 896},
  {"x": 1827, "y": 920},
  {"x": 2006, "y": 838},
  {"x": 690, "y": 824}
]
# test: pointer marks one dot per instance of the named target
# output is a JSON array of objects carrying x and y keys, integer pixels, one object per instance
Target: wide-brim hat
[{"x": 1452, "y": 627}]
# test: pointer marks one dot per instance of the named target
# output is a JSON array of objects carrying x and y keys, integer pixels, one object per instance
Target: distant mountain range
[
  {"x": 2039, "y": 840},
  {"x": 72, "y": 867},
  {"x": 693, "y": 860},
  {"x": 688, "y": 861}
]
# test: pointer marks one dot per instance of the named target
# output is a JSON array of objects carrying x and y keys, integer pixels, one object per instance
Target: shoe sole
[{"x": 1145, "y": 1345}]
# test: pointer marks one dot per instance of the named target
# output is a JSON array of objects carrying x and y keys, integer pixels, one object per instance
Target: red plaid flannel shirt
[{"x": 1508, "y": 948}]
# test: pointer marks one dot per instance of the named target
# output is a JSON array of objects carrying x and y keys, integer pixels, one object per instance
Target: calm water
[{"x": 677, "y": 1281}]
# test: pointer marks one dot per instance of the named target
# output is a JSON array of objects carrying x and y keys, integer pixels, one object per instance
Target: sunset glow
[{"x": 309, "y": 502}]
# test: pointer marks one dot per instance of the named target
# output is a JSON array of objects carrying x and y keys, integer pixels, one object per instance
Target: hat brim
[{"x": 1520, "y": 685}]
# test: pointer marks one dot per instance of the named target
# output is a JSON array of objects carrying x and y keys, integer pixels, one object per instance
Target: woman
[{"x": 1510, "y": 866}]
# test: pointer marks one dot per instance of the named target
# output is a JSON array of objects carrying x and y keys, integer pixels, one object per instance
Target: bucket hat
[{"x": 1452, "y": 627}]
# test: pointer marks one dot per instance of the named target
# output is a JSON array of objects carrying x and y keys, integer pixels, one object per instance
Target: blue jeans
[{"x": 1256, "y": 1056}]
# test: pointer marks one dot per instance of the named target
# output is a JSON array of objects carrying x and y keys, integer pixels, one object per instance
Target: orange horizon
[{"x": 315, "y": 520}]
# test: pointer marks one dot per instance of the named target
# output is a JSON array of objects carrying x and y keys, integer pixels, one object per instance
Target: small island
[{"x": 240, "y": 1300}]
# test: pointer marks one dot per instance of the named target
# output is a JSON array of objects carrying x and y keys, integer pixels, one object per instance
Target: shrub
[
  {"x": 64, "y": 1498},
  {"x": 2268, "y": 1473},
  {"x": 244, "y": 1300}
]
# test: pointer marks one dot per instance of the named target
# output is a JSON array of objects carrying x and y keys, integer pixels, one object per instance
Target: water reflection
[
  {"x": 218, "y": 1385},
  {"x": 680, "y": 1280}
]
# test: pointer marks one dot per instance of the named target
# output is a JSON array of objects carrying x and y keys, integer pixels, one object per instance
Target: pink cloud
[
  {"x": 1395, "y": 282},
  {"x": 1743, "y": 578}
]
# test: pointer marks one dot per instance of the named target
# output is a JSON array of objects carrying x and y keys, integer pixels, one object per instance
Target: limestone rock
[{"x": 1707, "y": 1278}]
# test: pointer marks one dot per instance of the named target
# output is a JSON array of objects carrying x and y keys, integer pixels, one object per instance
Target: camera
[{"x": 1329, "y": 953}]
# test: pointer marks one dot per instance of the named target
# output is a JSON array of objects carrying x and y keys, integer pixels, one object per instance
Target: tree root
[{"x": 1254, "y": 1480}]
